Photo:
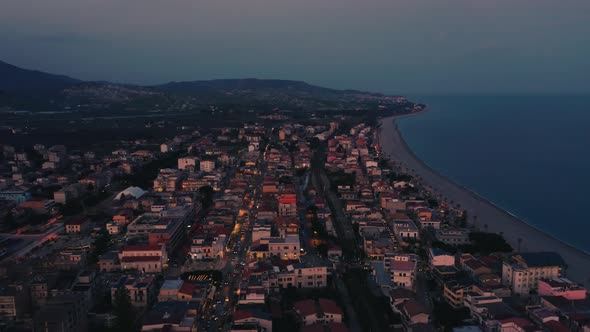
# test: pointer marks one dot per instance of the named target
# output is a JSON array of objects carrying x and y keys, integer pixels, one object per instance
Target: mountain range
[{"x": 34, "y": 90}]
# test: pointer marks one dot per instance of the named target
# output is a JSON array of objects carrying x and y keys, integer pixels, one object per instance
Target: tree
[
  {"x": 432, "y": 203},
  {"x": 100, "y": 246},
  {"x": 140, "y": 207},
  {"x": 123, "y": 311},
  {"x": 206, "y": 193},
  {"x": 9, "y": 220}
]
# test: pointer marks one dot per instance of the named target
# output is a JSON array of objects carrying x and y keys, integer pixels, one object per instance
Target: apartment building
[
  {"x": 403, "y": 270},
  {"x": 522, "y": 272}
]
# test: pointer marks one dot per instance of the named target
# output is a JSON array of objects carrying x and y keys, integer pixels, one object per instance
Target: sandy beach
[{"x": 496, "y": 219}]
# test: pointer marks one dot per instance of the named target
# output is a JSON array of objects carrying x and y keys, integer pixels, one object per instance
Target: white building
[
  {"x": 440, "y": 257},
  {"x": 284, "y": 247},
  {"x": 145, "y": 258},
  {"x": 405, "y": 230},
  {"x": 403, "y": 270},
  {"x": 187, "y": 162},
  {"x": 453, "y": 236},
  {"x": 522, "y": 272},
  {"x": 208, "y": 246},
  {"x": 207, "y": 165}
]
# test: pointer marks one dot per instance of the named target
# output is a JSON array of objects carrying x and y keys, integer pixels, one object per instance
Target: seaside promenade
[{"x": 516, "y": 232}]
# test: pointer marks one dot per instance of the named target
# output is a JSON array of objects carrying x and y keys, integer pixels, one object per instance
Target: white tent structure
[{"x": 134, "y": 192}]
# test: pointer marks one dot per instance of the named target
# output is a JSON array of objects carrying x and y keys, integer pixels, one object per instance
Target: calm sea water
[{"x": 528, "y": 154}]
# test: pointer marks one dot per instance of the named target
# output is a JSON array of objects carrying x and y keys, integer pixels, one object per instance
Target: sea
[{"x": 528, "y": 154}]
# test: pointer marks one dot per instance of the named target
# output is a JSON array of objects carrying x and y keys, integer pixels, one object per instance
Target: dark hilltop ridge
[
  {"x": 35, "y": 91},
  {"x": 19, "y": 81}
]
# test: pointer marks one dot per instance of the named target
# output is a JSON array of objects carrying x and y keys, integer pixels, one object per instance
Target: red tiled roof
[
  {"x": 403, "y": 265},
  {"x": 288, "y": 199},
  {"x": 489, "y": 259},
  {"x": 519, "y": 321},
  {"x": 313, "y": 328},
  {"x": 131, "y": 259},
  {"x": 555, "y": 326},
  {"x": 474, "y": 264},
  {"x": 401, "y": 293},
  {"x": 241, "y": 314},
  {"x": 330, "y": 306},
  {"x": 187, "y": 289},
  {"x": 77, "y": 221},
  {"x": 305, "y": 307},
  {"x": 338, "y": 327},
  {"x": 400, "y": 216},
  {"x": 142, "y": 247},
  {"x": 413, "y": 308}
]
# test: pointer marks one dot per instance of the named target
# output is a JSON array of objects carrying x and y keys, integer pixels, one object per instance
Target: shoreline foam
[{"x": 497, "y": 219}]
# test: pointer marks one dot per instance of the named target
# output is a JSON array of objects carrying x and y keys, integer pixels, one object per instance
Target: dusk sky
[{"x": 391, "y": 46}]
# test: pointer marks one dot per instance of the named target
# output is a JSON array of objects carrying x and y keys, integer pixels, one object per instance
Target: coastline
[{"x": 497, "y": 219}]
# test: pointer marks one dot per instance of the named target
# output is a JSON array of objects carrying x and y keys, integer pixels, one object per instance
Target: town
[{"x": 280, "y": 223}]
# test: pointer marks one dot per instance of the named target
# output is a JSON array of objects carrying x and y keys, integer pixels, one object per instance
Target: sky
[{"x": 390, "y": 46}]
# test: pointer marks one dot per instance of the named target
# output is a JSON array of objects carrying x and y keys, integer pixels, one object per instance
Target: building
[
  {"x": 169, "y": 290},
  {"x": 452, "y": 236},
  {"x": 108, "y": 262},
  {"x": 288, "y": 205},
  {"x": 439, "y": 257},
  {"x": 561, "y": 287},
  {"x": 174, "y": 316},
  {"x": 130, "y": 192},
  {"x": 487, "y": 309},
  {"x": 405, "y": 230},
  {"x": 142, "y": 290},
  {"x": 77, "y": 225},
  {"x": 522, "y": 272},
  {"x": 412, "y": 314},
  {"x": 428, "y": 222},
  {"x": 403, "y": 271},
  {"x": 207, "y": 246},
  {"x": 187, "y": 163},
  {"x": 207, "y": 166},
  {"x": 260, "y": 320},
  {"x": 14, "y": 301},
  {"x": 168, "y": 179},
  {"x": 63, "y": 313},
  {"x": 17, "y": 196},
  {"x": 303, "y": 275},
  {"x": 144, "y": 258},
  {"x": 260, "y": 231},
  {"x": 283, "y": 247},
  {"x": 324, "y": 311},
  {"x": 39, "y": 206},
  {"x": 455, "y": 290}
]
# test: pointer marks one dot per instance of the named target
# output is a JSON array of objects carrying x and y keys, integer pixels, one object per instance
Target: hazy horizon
[{"x": 406, "y": 47}]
